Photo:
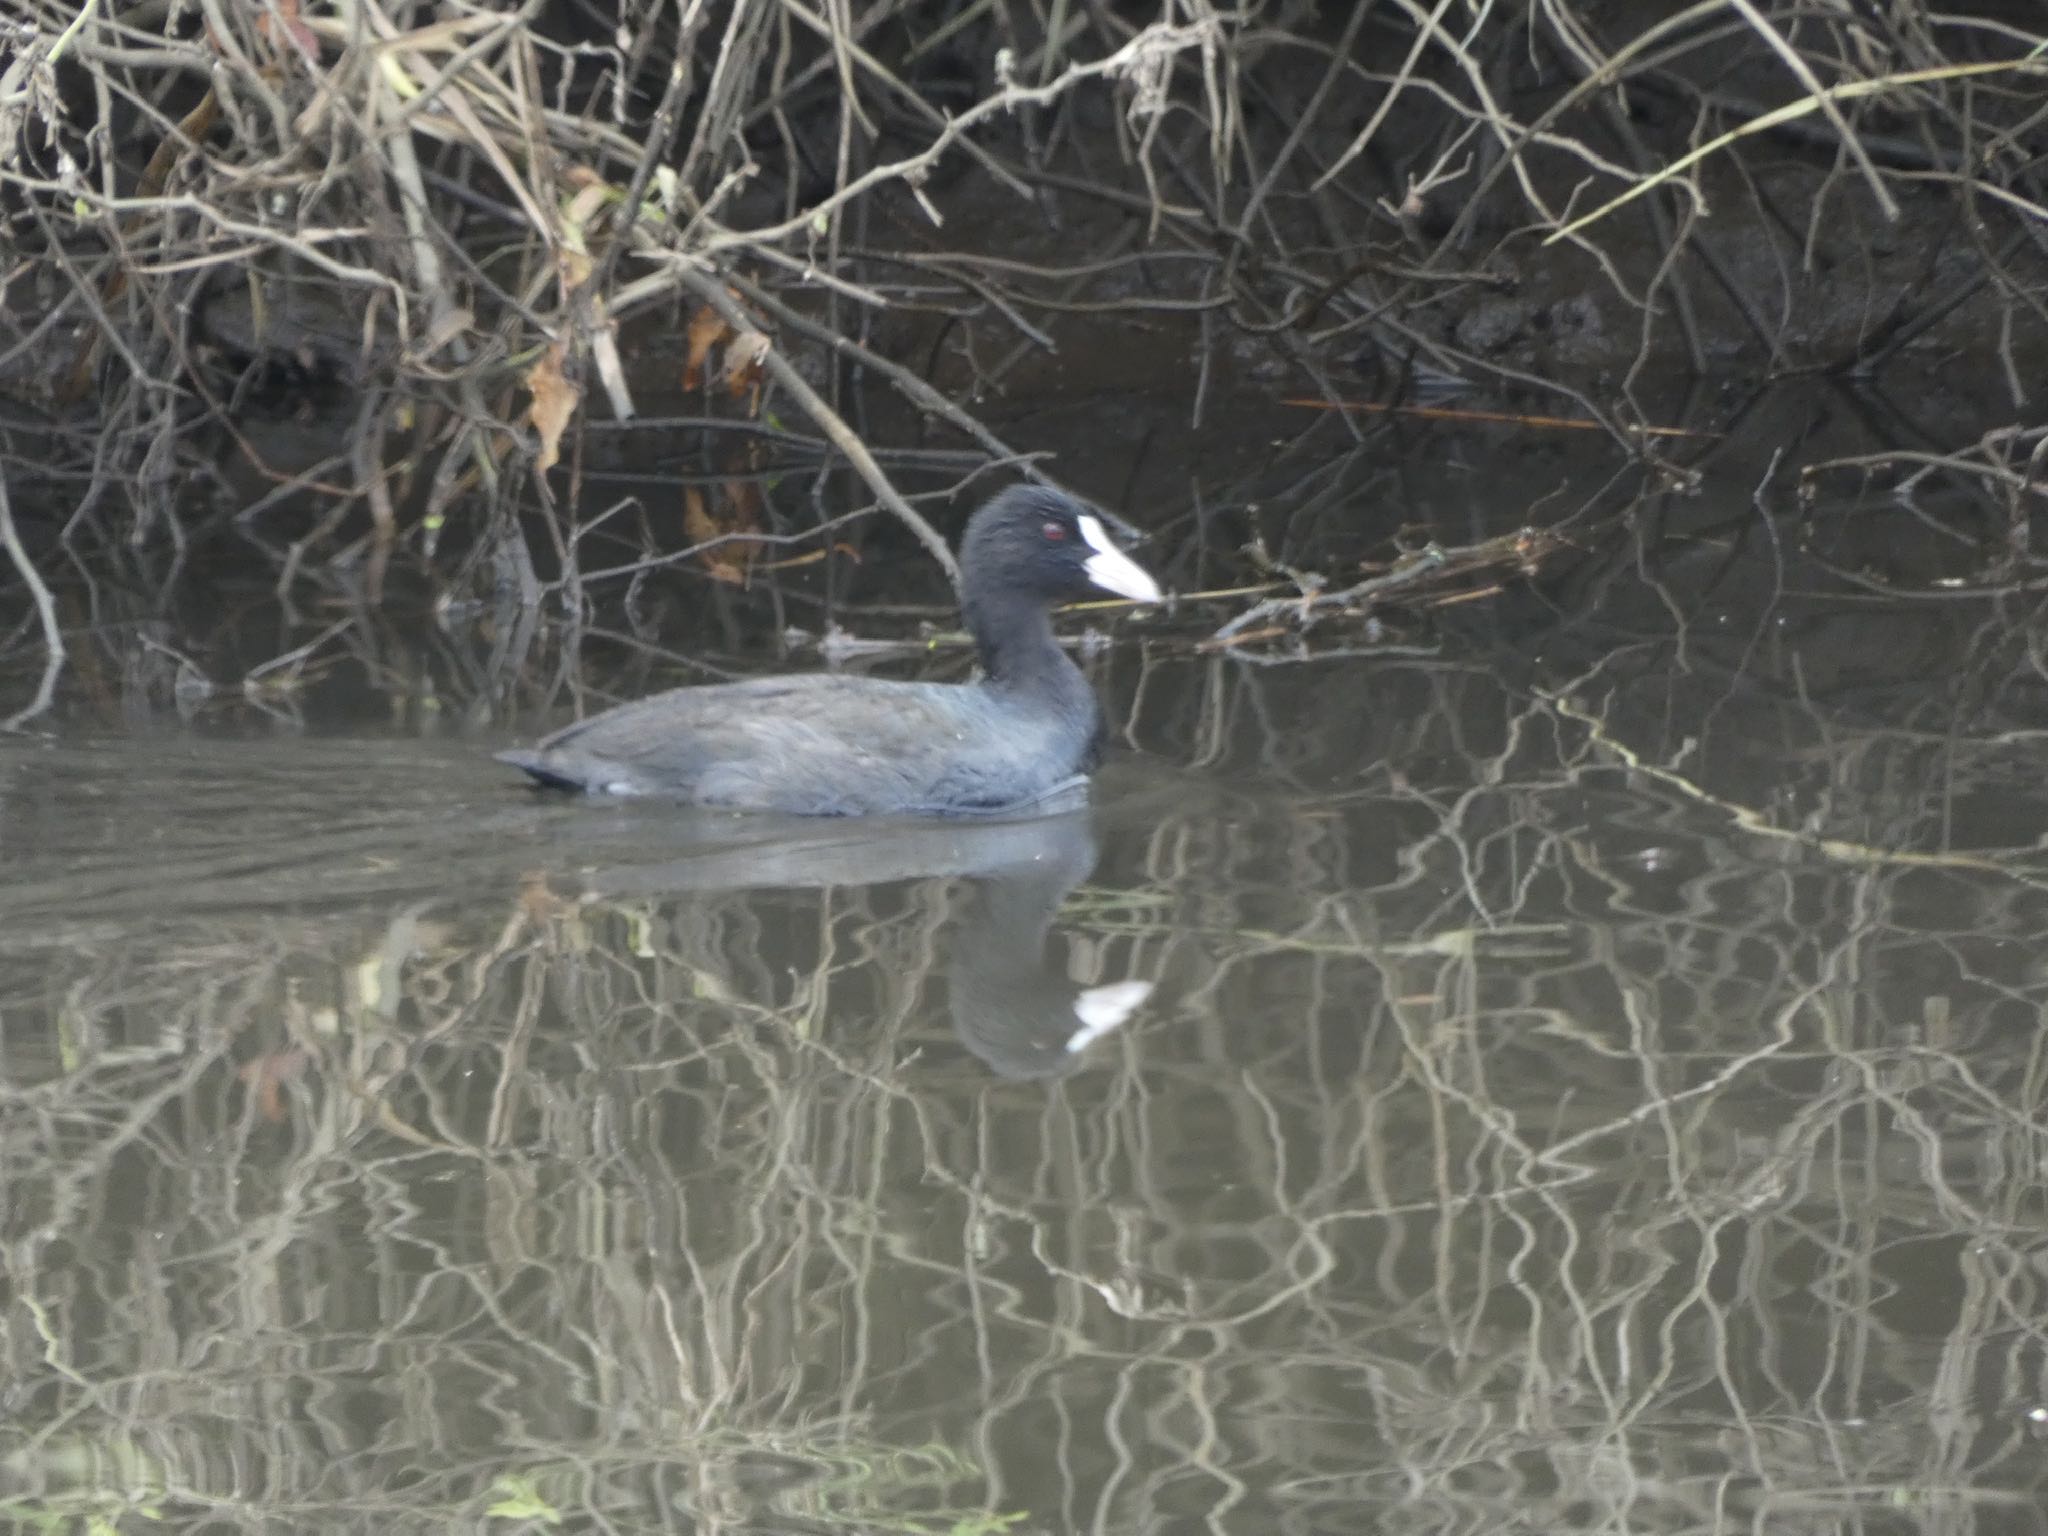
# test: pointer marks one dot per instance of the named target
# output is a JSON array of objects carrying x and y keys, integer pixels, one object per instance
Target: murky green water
[{"x": 1580, "y": 1070}]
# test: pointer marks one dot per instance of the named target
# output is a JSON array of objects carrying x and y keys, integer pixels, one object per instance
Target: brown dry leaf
[
  {"x": 296, "y": 32},
  {"x": 266, "y": 1076},
  {"x": 554, "y": 402},
  {"x": 723, "y": 562},
  {"x": 743, "y": 356},
  {"x": 744, "y": 348},
  {"x": 539, "y": 902},
  {"x": 744, "y": 463},
  {"x": 749, "y": 509},
  {"x": 707, "y": 330}
]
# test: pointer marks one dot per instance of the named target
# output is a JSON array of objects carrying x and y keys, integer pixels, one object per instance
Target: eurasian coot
[{"x": 825, "y": 745}]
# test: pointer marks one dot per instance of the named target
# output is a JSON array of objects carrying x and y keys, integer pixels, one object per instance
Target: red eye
[{"x": 1054, "y": 532}]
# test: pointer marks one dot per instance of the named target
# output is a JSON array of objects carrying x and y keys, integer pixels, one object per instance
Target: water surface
[{"x": 1572, "y": 1064}]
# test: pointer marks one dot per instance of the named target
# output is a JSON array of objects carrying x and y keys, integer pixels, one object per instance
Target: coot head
[{"x": 1041, "y": 545}]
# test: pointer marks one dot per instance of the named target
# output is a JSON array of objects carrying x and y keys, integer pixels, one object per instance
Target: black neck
[
  {"x": 1014, "y": 637},
  {"x": 1018, "y": 652}
]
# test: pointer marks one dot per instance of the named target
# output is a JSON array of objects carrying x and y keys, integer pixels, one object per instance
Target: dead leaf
[
  {"x": 266, "y": 1076},
  {"x": 749, "y": 506},
  {"x": 721, "y": 562},
  {"x": 744, "y": 350},
  {"x": 295, "y": 32},
  {"x": 743, "y": 359},
  {"x": 707, "y": 330},
  {"x": 539, "y": 902},
  {"x": 554, "y": 402}
]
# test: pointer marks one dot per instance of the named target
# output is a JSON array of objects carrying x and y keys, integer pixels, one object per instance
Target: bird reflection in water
[
  {"x": 1022, "y": 1016},
  {"x": 1017, "y": 1013}
]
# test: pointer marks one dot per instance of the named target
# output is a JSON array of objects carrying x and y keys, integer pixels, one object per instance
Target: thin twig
[{"x": 46, "y": 610}]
